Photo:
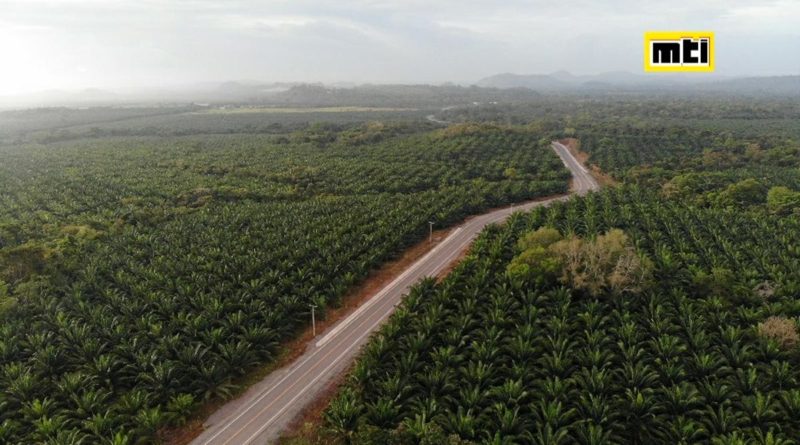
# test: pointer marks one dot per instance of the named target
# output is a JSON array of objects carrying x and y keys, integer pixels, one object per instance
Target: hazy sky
[{"x": 68, "y": 44}]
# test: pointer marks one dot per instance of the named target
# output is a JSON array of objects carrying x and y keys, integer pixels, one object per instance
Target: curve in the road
[{"x": 268, "y": 407}]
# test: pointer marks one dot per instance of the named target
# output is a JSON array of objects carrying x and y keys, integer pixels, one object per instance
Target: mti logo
[{"x": 679, "y": 51}]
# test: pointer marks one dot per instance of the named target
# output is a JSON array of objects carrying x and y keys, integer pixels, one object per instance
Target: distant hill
[
  {"x": 532, "y": 81},
  {"x": 397, "y": 95},
  {"x": 505, "y": 87},
  {"x": 562, "y": 81},
  {"x": 776, "y": 85}
]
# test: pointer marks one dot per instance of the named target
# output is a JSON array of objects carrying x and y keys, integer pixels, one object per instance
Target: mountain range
[
  {"x": 615, "y": 81},
  {"x": 499, "y": 87}
]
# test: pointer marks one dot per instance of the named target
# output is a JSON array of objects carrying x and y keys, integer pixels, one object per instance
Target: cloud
[{"x": 109, "y": 43}]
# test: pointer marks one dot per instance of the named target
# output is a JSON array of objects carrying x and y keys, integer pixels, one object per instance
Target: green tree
[
  {"x": 720, "y": 282},
  {"x": 782, "y": 201},
  {"x": 343, "y": 413},
  {"x": 536, "y": 261},
  {"x": 511, "y": 173},
  {"x": 6, "y": 300},
  {"x": 743, "y": 193}
]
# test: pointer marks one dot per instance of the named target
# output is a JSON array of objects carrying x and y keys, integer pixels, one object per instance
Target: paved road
[
  {"x": 436, "y": 120},
  {"x": 261, "y": 414}
]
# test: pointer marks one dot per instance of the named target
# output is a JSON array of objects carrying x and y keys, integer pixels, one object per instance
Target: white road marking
[{"x": 379, "y": 295}]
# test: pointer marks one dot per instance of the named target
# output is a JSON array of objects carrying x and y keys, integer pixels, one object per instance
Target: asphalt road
[
  {"x": 436, "y": 120},
  {"x": 259, "y": 416}
]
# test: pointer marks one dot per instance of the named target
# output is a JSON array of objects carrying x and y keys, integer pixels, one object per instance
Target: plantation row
[
  {"x": 683, "y": 147},
  {"x": 707, "y": 163},
  {"x": 709, "y": 111},
  {"x": 43, "y": 188},
  {"x": 485, "y": 357},
  {"x": 649, "y": 141},
  {"x": 15, "y": 124},
  {"x": 186, "y": 265}
]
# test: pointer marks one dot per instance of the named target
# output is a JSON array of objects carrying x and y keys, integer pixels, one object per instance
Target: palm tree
[
  {"x": 460, "y": 422},
  {"x": 342, "y": 415},
  {"x": 761, "y": 410},
  {"x": 100, "y": 424},
  {"x": 148, "y": 420}
]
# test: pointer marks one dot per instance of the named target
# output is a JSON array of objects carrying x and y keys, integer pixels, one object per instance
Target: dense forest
[{"x": 139, "y": 276}]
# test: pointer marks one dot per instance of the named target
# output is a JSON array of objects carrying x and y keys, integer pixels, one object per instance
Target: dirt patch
[
  {"x": 293, "y": 349},
  {"x": 574, "y": 146},
  {"x": 182, "y": 435}
]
